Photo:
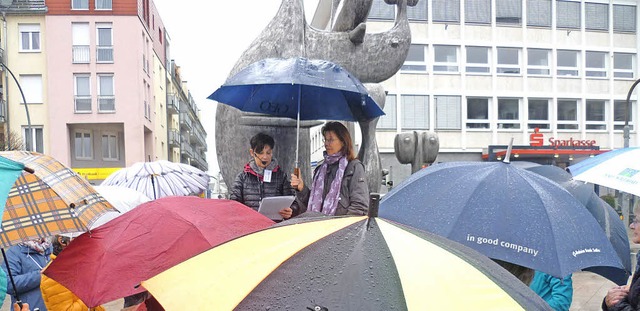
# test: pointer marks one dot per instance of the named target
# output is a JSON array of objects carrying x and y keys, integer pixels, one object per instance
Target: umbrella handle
[
  {"x": 15, "y": 290},
  {"x": 296, "y": 171}
]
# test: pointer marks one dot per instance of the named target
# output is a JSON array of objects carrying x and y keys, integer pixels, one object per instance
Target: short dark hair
[
  {"x": 343, "y": 134},
  {"x": 260, "y": 140}
]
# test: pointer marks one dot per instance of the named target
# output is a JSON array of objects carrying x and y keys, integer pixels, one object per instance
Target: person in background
[
  {"x": 558, "y": 293},
  {"x": 339, "y": 185},
  {"x": 55, "y": 295},
  {"x": 26, "y": 262},
  {"x": 262, "y": 177}
]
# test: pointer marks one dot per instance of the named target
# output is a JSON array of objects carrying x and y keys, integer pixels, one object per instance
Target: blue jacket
[
  {"x": 25, "y": 265},
  {"x": 558, "y": 293}
]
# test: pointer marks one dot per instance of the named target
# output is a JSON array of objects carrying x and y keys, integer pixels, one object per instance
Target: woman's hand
[
  {"x": 286, "y": 212},
  {"x": 296, "y": 182},
  {"x": 25, "y": 307},
  {"x": 615, "y": 294}
]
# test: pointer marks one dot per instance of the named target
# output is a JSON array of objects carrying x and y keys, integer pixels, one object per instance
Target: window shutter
[
  {"x": 417, "y": 12},
  {"x": 448, "y": 112},
  {"x": 388, "y": 120},
  {"x": 596, "y": 16},
  {"x": 446, "y": 10},
  {"x": 539, "y": 13},
  {"x": 624, "y": 18},
  {"x": 477, "y": 11},
  {"x": 568, "y": 14},
  {"x": 509, "y": 11},
  {"x": 381, "y": 10}
]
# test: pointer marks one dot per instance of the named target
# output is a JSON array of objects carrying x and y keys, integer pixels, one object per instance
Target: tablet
[{"x": 272, "y": 205}]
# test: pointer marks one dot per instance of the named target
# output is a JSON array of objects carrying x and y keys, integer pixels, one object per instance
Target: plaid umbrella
[{"x": 52, "y": 200}]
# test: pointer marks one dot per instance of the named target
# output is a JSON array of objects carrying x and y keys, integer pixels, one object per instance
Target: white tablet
[{"x": 272, "y": 205}]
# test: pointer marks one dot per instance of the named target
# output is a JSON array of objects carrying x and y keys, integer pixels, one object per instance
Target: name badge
[{"x": 267, "y": 176}]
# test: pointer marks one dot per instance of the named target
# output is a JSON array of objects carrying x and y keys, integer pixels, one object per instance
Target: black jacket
[{"x": 249, "y": 188}]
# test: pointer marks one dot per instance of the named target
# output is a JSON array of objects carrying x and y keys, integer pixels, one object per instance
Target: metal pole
[
  {"x": 24, "y": 100},
  {"x": 627, "y": 113}
]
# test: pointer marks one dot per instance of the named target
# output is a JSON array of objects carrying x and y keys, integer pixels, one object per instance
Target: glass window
[
  {"x": 445, "y": 58},
  {"x": 81, "y": 51},
  {"x": 33, "y": 138},
  {"x": 106, "y": 95},
  {"x": 508, "y": 113},
  {"x": 388, "y": 120},
  {"x": 477, "y": 11},
  {"x": 568, "y": 63},
  {"x": 538, "y": 62},
  {"x": 620, "y": 114},
  {"x": 79, "y": 4},
  {"x": 382, "y": 10},
  {"x": 509, "y": 12},
  {"x": 478, "y": 113},
  {"x": 417, "y": 12},
  {"x": 595, "y": 117},
  {"x": 29, "y": 37},
  {"x": 624, "y": 18},
  {"x": 32, "y": 88},
  {"x": 596, "y": 16},
  {"x": 623, "y": 64},
  {"x": 103, "y": 5},
  {"x": 446, "y": 10},
  {"x": 568, "y": 14},
  {"x": 508, "y": 60},
  {"x": 109, "y": 147},
  {"x": 83, "y": 145},
  {"x": 448, "y": 112},
  {"x": 539, "y": 13},
  {"x": 415, "y": 112},
  {"x": 416, "y": 58},
  {"x": 538, "y": 110},
  {"x": 105, "y": 43},
  {"x": 567, "y": 114},
  {"x": 82, "y": 93},
  {"x": 596, "y": 64},
  {"x": 478, "y": 59}
]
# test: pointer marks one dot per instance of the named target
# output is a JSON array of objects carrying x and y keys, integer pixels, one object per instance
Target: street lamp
[{"x": 627, "y": 112}]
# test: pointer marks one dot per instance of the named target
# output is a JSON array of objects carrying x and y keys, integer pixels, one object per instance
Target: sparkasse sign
[{"x": 536, "y": 139}]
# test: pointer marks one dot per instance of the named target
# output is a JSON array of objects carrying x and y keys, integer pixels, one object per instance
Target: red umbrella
[{"x": 110, "y": 261}]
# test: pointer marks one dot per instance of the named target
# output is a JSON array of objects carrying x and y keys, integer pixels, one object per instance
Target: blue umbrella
[
  {"x": 298, "y": 88},
  {"x": 503, "y": 212},
  {"x": 607, "y": 218}
]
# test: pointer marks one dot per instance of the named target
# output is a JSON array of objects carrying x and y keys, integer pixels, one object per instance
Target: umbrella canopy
[
  {"x": 160, "y": 179},
  {"x": 123, "y": 199},
  {"x": 607, "y": 218},
  {"x": 617, "y": 169},
  {"x": 9, "y": 172},
  {"x": 340, "y": 263},
  {"x": 50, "y": 201},
  {"x": 503, "y": 212},
  {"x": 110, "y": 261}
]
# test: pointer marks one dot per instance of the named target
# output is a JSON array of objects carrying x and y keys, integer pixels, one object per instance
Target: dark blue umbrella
[
  {"x": 607, "y": 218},
  {"x": 503, "y": 212},
  {"x": 298, "y": 88}
]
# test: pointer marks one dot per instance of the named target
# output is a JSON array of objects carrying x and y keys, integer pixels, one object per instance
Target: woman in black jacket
[{"x": 262, "y": 177}]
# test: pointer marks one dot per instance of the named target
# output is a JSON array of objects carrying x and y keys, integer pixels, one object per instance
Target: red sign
[{"x": 536, "y": 139}]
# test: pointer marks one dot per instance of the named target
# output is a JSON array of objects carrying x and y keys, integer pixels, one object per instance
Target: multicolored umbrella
[
  {"x": 340, "y": 263},
  {"x": 9, "y": 172},
  {"x": 110, "y": 261},
  {"x": 160, "y": 179},
  {"x": 52, "y": 200},
  {"x": 617, "y": 169}
]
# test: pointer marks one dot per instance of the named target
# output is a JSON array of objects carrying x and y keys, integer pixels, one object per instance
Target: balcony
[
  {"x": 104, "y": 54},
  {"x": 106, "y": 103},
  {"x": 174, "y": 138},
  {"x": 81, "y": 54},
  {"x": 173, "y": 105},
  {"x": 185, "y": 121},
  {"x": 3, "y": 111},
  {"x": 186, "y": 149},
  {"x": 82, "y": 104}
]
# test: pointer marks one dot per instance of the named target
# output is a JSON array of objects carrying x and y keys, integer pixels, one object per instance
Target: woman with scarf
[
  {"x": 262, "y": 177},
  {"x": 26, "y": 261},
  {"x": 339, "y": 185}
]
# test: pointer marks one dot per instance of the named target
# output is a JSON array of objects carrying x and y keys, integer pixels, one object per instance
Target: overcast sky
[{"x": 207, "y": 38}]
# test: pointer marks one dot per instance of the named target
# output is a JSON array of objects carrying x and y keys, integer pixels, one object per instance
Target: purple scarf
[{"x": 330, "y": 203}]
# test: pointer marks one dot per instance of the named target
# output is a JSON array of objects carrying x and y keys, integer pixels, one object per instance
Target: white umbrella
[
  {"x": 160, "y": 179},
  {"x": 617, "y": 169},
  {"x": 123, "y": 199}
]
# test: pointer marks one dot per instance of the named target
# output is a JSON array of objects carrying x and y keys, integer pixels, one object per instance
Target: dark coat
[
  {"x": 249, "y": 188},
  {"x": 632, "y": 301},
  {"x": 25, "y": 265},
  {"x": 354, "y": 190}
]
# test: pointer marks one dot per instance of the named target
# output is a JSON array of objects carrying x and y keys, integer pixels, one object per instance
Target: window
[
  {"x": 538, "y": 62},
  {"x": 539, "y": 13},
  {"x": 620, "y": 114},
  {"x": 415, "y": 112},
  {"x": 417, "y": 12},
  {"x": 103, "y": 5},
  {"x": 477, "y": 11},
  {"x": 381, "y": 10},
  {"x": 446, "y": 10},
  {"x": 567, "y": 63},
  {"x": 596, "y": 64},
  {"x": 32, "y": 88},
  {"x": 109, "y": 146},
  {"x": 81, "y": 52},
  {"x": 445, "y": 58},
  {"x": 538, "y": 110},
  {"x": 595, "y": 115},
  {"x": 82, "y": 93},
  {"x": 477, "y": 113},
  {"x": 79, "y": 4},
  {"x": 478, "y": 59},
  {"x": 567, "y": 114},
  {"x": 448, "y": 112},
  {"x": 623, "y": 64},
  {"x": 29, "y": 37},
  {"x": 624, "y": 18},
  {"x": 509, "y": 12},
  {"x": 508, "y": 113},
  {"x": 105, "y": 43},
  {"x": 508, "y": 60},
  {"x": 568, "y": 14},
  {"x": 33, "y": 138},
  {"x": 388, "y": 120},
  {"x": 416, "y": 60},
  {"x": 83, "y": 145},
  {"x": 596, "y": 16},
  {"x": 106, "y": 97}
]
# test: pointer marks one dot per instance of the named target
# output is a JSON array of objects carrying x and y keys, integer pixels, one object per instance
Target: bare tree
[{"x": 11, "y": 141}]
